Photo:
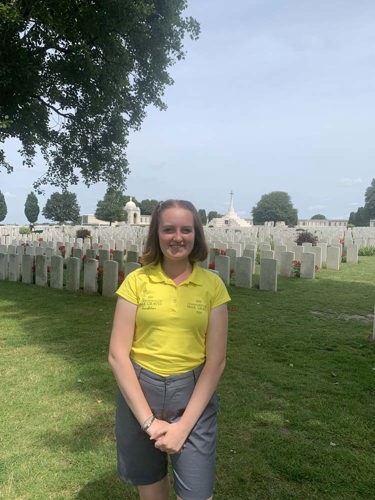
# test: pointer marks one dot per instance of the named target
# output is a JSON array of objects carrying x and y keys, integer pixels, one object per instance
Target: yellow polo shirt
[{"x": 171, "y": 320}]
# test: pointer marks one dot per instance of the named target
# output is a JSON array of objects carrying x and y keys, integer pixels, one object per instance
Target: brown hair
[{"x": 153, "y": 253}]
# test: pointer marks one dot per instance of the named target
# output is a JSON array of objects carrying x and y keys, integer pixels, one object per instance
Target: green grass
[{"x": 296, "y": 400}]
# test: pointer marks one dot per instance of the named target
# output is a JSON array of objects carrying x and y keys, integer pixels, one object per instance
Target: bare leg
[{"x": 155, "y": 491}]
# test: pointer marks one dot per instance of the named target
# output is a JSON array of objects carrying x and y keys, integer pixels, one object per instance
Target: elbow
[
  {"x": 222, "y": 365},
  {"x": 111, "y": 359},
  {"x": 217, "y": 366}
]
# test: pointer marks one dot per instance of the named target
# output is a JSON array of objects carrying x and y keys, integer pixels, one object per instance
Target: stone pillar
[
  {"x": 118, "y": 256},
  {"x": 4, "y": 271},
  {"x": 279, "y": 250},
  {"x": 73, "y": 274},
  {"x": 352, "y": 254},
  {"x": 232, "y": 254},
  {"x": 318, "y": 255},
  {"x": 286, "y": 264},
  {"x": 110, "y": 278},
  {"x": 129, "y": 267},
  {"x": 266, "y": 254},
  {"x": 27, "y": 269},
  {"x": 104, "y": 255},
  {"x": 252, "y": 253},
  {"x": 323, "y": 247},
  {"x": 298, "y": 251},
  {"x": 78, "y": 253},
  {"x": 90, "y": 253},
  {"x": 41, "y": 276},
  {"x": 57, "y": 271},
  {"x": 244, "y": 272},
  {"x": 131, "y": 256},
  {"x": 14, "y": 271},
  {"x": 268, "y": 275},
  {"x": 333, "y": 258},
  {"x": 30, "y": 251},
  {"x": 308, "y": 265},
  {"x": 90, "y": 276},
  {"x": 222, "y": 265}
]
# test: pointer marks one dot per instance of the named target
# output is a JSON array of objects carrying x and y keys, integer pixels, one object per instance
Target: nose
[{"x": 177, "y": 236}]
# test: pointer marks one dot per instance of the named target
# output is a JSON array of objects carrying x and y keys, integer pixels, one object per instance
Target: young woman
[{"x": 167, "y": 352}]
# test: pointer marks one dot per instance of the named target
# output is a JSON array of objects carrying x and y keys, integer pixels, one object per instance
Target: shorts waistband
[{"x": 194, "y": 373}]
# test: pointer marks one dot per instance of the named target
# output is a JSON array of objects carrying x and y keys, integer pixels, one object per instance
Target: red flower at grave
[
  {"x": 111, "y": 250},
  {"x": 223, "y": 252},
  {"x": 100, "y": 246},
  {"x": 211, "y": 265},
  {"x": 40, "y": 239},
  {"x": 84, "y": 258},
  {"x": 231, "y": 272},
  {"x": 48, "y": 269},
  {"x": 121, "y": 277},
  {"x": 124, "y": 251},
  {"x": 97, "y": 257}
]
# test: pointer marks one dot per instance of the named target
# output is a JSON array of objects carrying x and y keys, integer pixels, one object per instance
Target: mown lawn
[{"x": 297, "y": 406}]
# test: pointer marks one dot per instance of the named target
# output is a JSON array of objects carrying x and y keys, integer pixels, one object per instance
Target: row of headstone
[
  {"x": 120, "y": 237},
  {"x": 272, "y": 263},
  {"x": 36, "y": 270}
]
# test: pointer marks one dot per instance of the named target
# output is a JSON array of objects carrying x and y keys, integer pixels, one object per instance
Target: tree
[
  {"x": 275, "y": 206},
  {"x": 213, "y": 215},
  {"x": 31, "y": 208},
  {"x": 202, "y": 216},
  {"x": 62, "y": 207},
  {"x": 147, "y": 206},
  {"x": 306, "y": 236},
  {"x": 111, "y": 208},
  {"x": 359, "y": 218},
  {"x": 318, "y": 217},
  {"x": 370, "y": 201},
  {"x": 3, "y": 207},
  {"x": 77, "y": 76}
]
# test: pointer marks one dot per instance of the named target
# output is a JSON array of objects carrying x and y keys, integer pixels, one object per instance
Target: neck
[{"x": 178, "y": 271}]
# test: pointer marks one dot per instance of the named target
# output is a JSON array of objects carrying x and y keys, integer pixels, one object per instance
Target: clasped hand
[{"x": 169, "y": 438}]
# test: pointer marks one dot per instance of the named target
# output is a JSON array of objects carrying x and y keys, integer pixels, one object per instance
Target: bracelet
[
  {"x": 147, "y": 419},
  {"x": 148, "y": 422}
]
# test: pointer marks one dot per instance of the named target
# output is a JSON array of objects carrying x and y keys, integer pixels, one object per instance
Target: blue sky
[{"x": 276, "y": 95}]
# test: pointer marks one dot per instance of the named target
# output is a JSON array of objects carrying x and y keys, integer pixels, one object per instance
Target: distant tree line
[{"x": 275, "y": 206}]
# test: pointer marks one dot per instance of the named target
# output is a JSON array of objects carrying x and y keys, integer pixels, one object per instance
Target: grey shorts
[{"x": 140, "y": 463}]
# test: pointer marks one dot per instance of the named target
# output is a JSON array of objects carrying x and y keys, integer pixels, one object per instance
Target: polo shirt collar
[{"x": 157, "y": 275}]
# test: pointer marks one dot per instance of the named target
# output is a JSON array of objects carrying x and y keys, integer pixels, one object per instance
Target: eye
[{"x": 187, "y": 230}]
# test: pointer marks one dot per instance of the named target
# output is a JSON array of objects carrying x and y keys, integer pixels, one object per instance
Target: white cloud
[
  {"x": 7, "y": 194},
  {"x": 347, "y": 181},
  {"x": 354, "y": 204}
]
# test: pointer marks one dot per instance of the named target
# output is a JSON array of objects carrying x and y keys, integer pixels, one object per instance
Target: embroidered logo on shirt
[{"x": 148, "y": 304}]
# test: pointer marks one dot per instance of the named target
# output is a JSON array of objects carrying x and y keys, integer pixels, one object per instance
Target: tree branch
[{"x": 64, "y": 115}]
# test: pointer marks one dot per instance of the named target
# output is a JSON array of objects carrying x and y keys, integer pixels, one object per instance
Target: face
[{"x": 176, "y": 233}]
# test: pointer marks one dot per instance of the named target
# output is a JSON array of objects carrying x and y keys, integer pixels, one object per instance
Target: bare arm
[
  {"x": 123, "y": 370},
  {"x": 216, "y": 342}
]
